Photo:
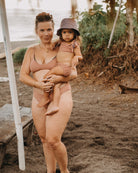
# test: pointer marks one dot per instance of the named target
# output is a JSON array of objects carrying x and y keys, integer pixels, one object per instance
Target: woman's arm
[
  {"x": 25, "y": 69},
  {"x": 58, "y": 79},
  {"x": 25, "y": 73}
]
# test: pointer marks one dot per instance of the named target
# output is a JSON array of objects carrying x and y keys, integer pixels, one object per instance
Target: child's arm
[
  {"x": 78, "y": 55},
  {"x": 62, "y": 70},
  {"x": 53, "y": 71},
  {"x": 77, "y": 51}
]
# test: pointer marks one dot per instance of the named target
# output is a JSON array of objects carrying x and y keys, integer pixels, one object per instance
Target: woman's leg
[
  {"x": 44, "y": 100},
  {"x": 49, "y": 158},
  {"x": 55, "y": 126},
  {"x": 40, "y": 124}
]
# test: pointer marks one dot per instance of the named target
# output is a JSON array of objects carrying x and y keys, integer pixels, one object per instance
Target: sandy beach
[{"x": 101, "y": 136}]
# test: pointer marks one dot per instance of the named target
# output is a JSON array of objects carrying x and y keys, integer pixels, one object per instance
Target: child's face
[{"x": 67, "y": 35}]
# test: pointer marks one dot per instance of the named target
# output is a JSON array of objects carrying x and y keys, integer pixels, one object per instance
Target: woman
[{"x": 39, "y": 60}]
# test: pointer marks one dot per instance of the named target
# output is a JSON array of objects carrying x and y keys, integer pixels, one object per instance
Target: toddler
[{"x": 69, "y": 53}]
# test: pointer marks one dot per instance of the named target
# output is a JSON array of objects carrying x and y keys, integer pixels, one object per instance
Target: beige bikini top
[{"x": 35, "y": 66}]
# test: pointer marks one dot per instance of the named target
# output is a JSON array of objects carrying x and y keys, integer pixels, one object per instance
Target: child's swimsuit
[{"x": 66, "y": 47}]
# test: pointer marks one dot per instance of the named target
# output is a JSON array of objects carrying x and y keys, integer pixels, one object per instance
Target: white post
[
  {"x": 13, "y": 88},
  {"x": 114, "y": 25}
]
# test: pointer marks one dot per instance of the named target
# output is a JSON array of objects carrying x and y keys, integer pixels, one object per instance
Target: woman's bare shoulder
[{"x": 31, "y": 50}]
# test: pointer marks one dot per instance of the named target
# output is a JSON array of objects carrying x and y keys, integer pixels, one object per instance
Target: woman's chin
[{"x": 46, "y": 41}]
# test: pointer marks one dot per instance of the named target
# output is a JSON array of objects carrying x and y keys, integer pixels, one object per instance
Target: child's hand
[{"x": 75, "y": 61}]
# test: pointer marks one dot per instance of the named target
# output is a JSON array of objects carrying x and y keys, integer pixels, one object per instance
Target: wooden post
[
  {"x": 73, "y": 8},
  {"x": 13, "y": 88},
  {"x": 109, "y": 43},
  {"x": 89, "y": 2}
]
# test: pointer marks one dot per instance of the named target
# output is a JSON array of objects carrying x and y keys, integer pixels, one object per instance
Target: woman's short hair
[{"x": 43, "y": 17}]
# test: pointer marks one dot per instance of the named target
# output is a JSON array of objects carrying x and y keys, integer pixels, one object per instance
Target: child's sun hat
[{"x": 68, "y": 23}]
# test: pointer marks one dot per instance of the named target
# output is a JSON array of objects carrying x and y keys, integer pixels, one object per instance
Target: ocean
[{"x": 21, "y": 23}]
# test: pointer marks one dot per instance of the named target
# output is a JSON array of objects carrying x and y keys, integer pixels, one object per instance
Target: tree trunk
[
  {"x": 73, "y": 8},
  {"x": 89, "y": 2},
  {"x": 112, "y": 6},
  {"x": 129, "y": 15}
]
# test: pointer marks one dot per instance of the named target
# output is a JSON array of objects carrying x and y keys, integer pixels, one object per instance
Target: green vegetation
[
  {"x": 95, "y": 28},
  {"x": 135, "y": 23},
  {"x": 19, "y": 55}
]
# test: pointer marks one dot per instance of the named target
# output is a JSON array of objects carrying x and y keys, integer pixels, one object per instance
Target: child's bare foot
[{"x": 52, "y": 109}]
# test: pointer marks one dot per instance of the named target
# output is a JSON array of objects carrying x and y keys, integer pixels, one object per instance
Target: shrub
[
  {"x": 19, "y": 55},
  {"x": 95, "y": 28}
]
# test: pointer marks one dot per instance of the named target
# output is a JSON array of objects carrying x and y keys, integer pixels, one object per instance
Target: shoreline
[
  {"x": 15, "y": 44},
  {"x": 21, "y": 44}
]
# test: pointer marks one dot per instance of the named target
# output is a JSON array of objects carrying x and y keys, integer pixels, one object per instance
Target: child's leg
[
  {"x": 44, "y": 100},
  {"x": 58, "y": 70},
  {"x": 62, "y": 69},
  {"x": 53, "y": 106}
]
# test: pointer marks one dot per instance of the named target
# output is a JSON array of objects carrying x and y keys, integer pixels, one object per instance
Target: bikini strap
[{"x": 34, "y": 53}]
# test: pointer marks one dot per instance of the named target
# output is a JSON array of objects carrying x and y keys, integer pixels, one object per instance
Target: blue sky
[{"x": 47, "y": 4}]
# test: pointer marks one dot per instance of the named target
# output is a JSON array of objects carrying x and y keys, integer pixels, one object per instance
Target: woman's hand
[
  {"x": 45, "y": 86},
  {"x": 53, "y": 79}
]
